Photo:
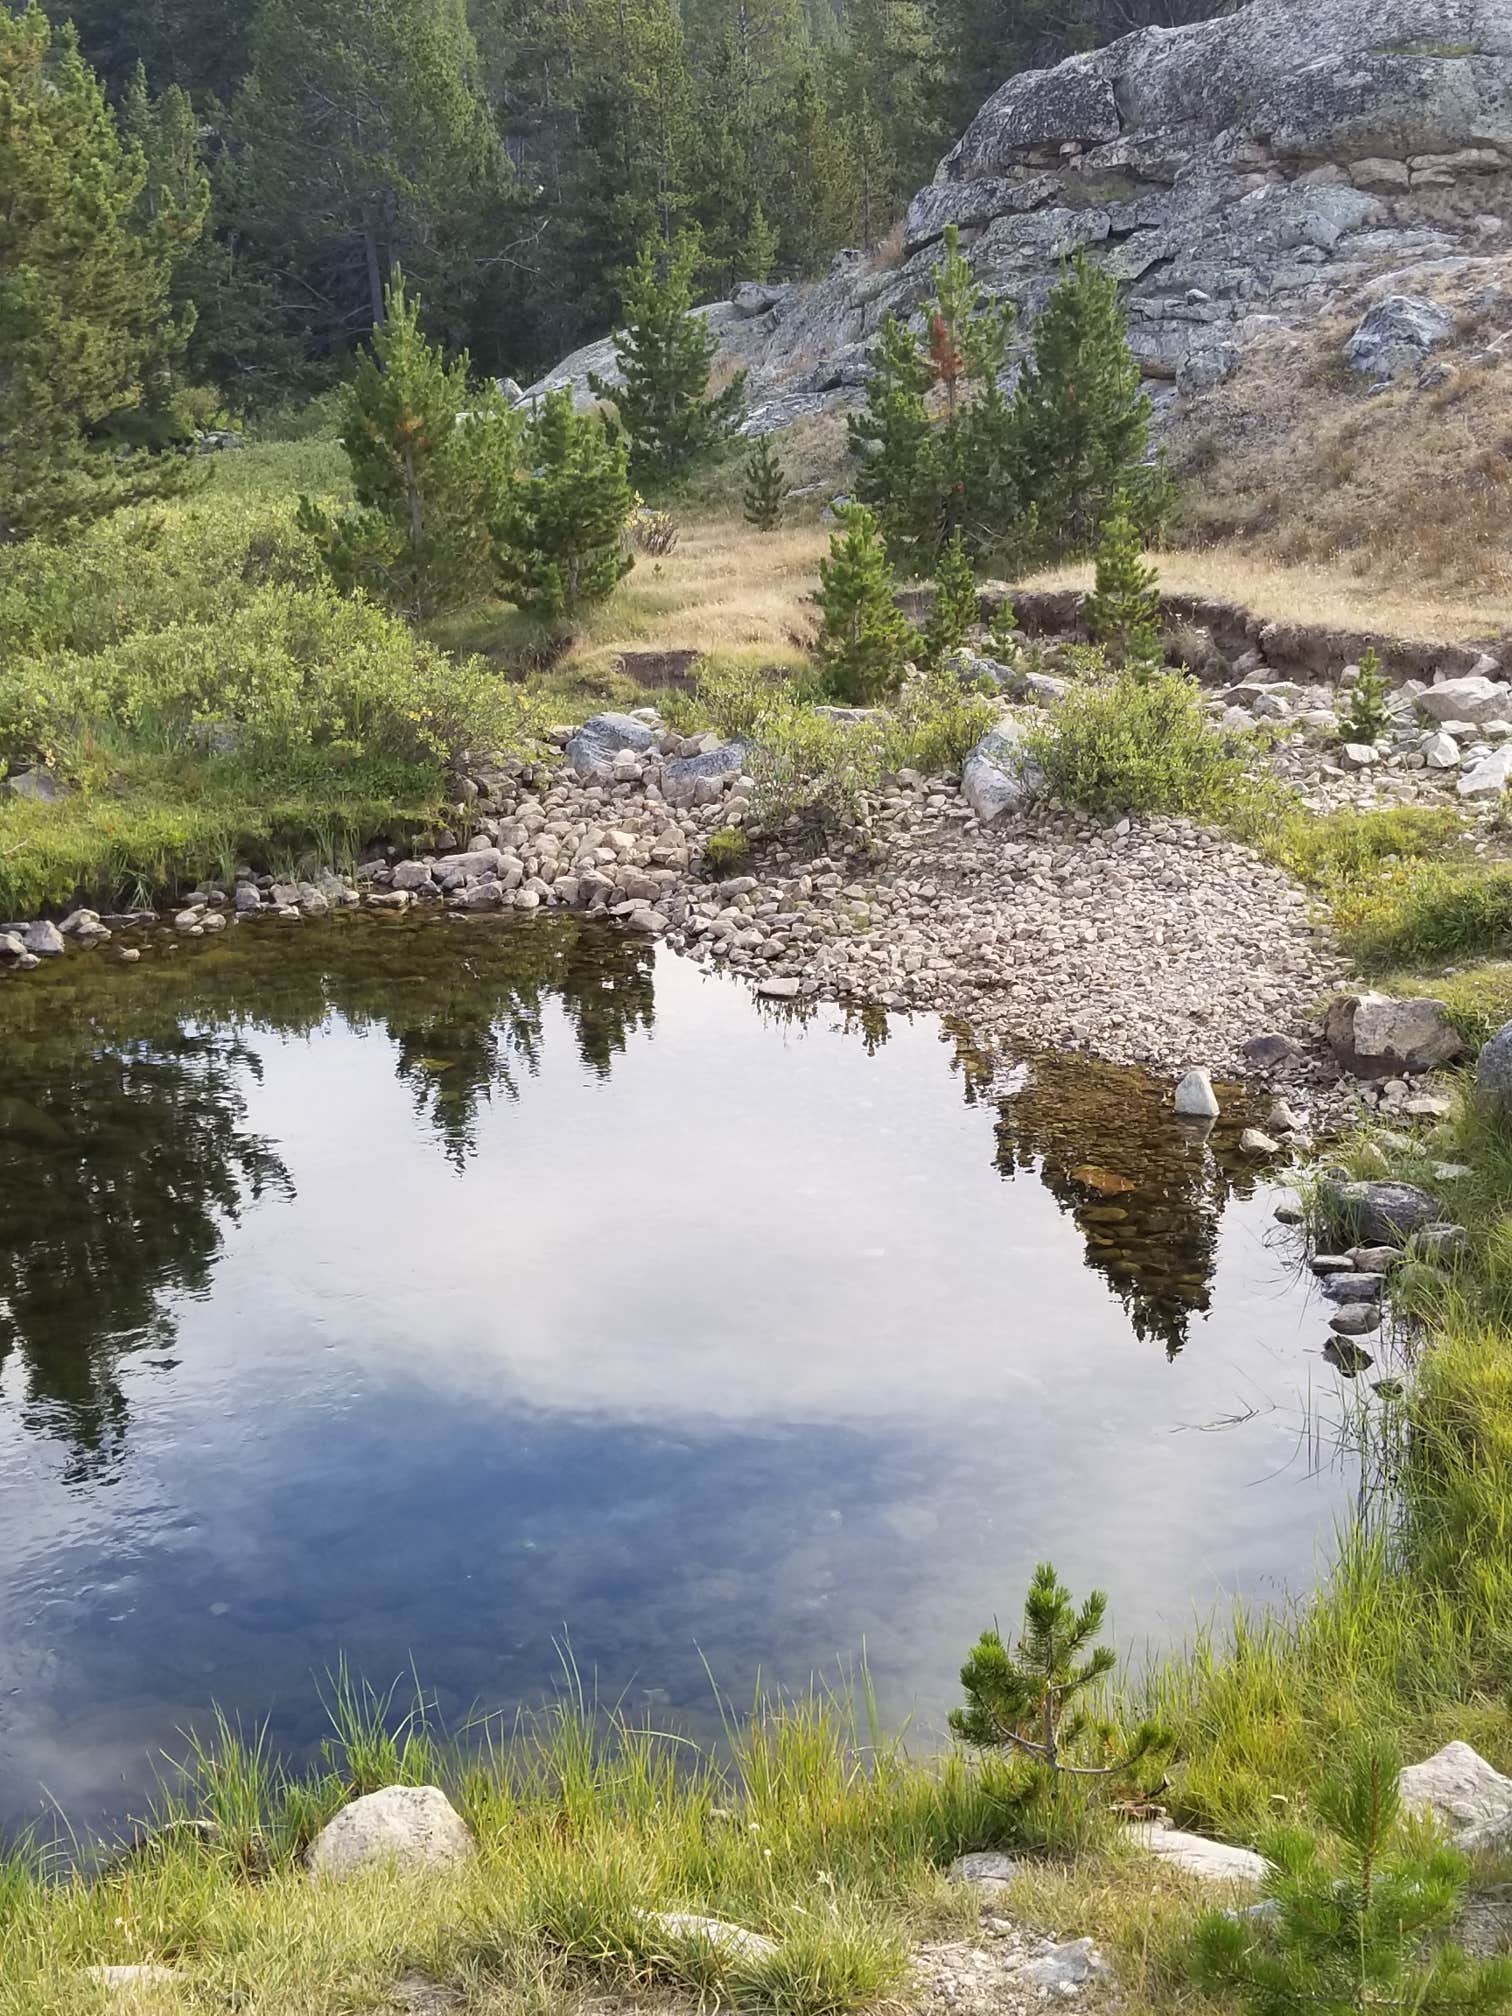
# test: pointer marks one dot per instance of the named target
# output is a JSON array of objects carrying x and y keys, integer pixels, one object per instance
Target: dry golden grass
[
  {"x": 1341, "y": 494},
  {"x": 1312, "y": 592}
]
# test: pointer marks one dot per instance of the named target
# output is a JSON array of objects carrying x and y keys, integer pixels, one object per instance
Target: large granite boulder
[
  {"x": 1493, "y": 1072},
  {"x": 1471, "y": 1800},
  {"x": 1396, "y": 335},
  {"x": 1000, "y": 775},
  {"x": 696, "y": 780},
  {"x": 1474, "y": 698},
  {"x": 592, "y": 751},
  {"x": 1375, "y": 1214},
  {"x": 1378, "y": 1036},
  {"x": 403, "y": 1827}
]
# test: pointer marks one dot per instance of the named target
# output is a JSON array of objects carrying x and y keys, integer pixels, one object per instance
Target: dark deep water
[{"x": 399, "y": 1290}]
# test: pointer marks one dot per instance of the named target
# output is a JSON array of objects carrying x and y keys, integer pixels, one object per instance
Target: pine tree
[
  {"x": 1367, "y": 718},
  {"x": 86, "y": 280},
  {"x": 765, "y": 486},
  {"x": 174, "y": 205},
  {"x": 1027, "y": 1700},
  {"x": 891, "y": 438},
  {"x": 1123, "y": 610},
  {"x": 955, "y": 603},
  {"x": 665, "y": 352},
  {"x": 361, "y": 141},
  {"x": 432, "y": 463},
  {"x": 815, "y": 191},
  {"x": 1358, "y": 1919},
  {"x": 559, "y": 531},
  {"x": 1080, "y": 419},
  {"x": 864, "y": 638},
  {"x": 887, "y": 69}
]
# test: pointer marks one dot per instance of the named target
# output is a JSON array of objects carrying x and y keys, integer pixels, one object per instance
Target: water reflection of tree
[
  {"x": 1146, "y": 1191},
  {"x": 124, "y": 1143}
]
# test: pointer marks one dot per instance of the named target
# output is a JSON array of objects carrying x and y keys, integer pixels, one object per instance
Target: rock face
[
  {"x": 405, "y": 1827},
  {"x": 1238, "y": 173},
  {"x": 1469, "y": 1799}
]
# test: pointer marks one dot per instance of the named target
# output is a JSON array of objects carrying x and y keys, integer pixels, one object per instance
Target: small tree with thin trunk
[
  {"x": 765, "y": 486},
  {"x": 1123, "y": 610},
  {"x": 1358, "y": 1914},
  {"x": 955, "y": 602},
  {"x": 1028, "y": 1700},
  {"x": 864, "y": 638},
  {"x": 665, "y": 355}
]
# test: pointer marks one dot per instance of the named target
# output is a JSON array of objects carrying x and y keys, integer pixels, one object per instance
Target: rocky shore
[{"x": 1142, "y": 941}]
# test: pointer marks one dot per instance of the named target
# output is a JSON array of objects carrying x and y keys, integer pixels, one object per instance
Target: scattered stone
[
  {"x": 1355, "y": 1319},
  {"x": 786, "y": 987},
  {"x": 1331, "y": 1263},
  {"x": 1374, "y": 1259},
  {"x": 1265, "y": 1052},
  {"x": 1380, "y": 1214},
  {"x": 1349, "y": 1358},
  {"x": 403, "y": 1826},
  {"x": 1489, "y": 776},
  {"x": 1195, "y": 1097},
  {"x": 1214, "y": 1861},
  {"x": 1067, "y": 1967},
  {"x": 1440, "y": 1242},
  {"x": 1354, "y": 1286},
  {"x": 1493, "y": 1072},
  {"x": 1253, "y": 1142},
  {"x": 44, "y": 939},
  {"x": 1469, "y": 1799},
  {"x": 986, "y": 1866},
  {"x": 730, "y": 1941}
]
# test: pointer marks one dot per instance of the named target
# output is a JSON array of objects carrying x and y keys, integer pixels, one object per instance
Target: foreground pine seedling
[{"x": 1358, "y": 1914}]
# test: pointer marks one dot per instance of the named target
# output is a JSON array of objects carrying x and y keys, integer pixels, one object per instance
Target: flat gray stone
[
  {"x": 689, "y": 1928},
  {"x": 987, "y": 1866},
  {"x": 592, "y": 751},
  {"x": 1213, "y": 1861},
  {"x": 43, "y": 938},
  {"x": 1065, "y": 1967},
  {"x": 403, "y": 1827}
]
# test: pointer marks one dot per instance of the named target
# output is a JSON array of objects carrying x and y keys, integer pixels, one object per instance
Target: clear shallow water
[{"x": 405, "y": 1291}]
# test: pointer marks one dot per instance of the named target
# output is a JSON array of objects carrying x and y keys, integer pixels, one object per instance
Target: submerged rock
[{"x": 403, "y": 1827}]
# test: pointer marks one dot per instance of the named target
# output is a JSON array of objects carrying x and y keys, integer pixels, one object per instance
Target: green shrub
[
  {"x": 726, "y": 851},
  {"x": 560, "y": 524},
  {"x": 1367, "y": 717},
  {"x": 1141, "y": 744},
  {"x": 864, "y": 638}
]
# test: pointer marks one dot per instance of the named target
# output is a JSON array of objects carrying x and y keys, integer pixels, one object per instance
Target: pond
[{"x": 448, "y": 1293}]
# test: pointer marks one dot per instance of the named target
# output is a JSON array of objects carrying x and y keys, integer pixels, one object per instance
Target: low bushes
[{"x": 1141, "y": 744}]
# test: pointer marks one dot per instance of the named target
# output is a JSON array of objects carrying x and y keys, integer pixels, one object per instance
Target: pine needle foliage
[
  {"x": 665, "y": 354},
  {"x": 1080, "y": 419},
  {"x": 1123, "y": 610},
  {"x": 765, "y": 486},
  {"x": 1359, "y": 1913},
  {"x": 1030, "y": 1700},
  {"x": 560, "y": 530},
  {"x": 955, "y": 603},
  {"x": 864, "y": 638},
  {"x": 1367, "y": 717},
  {"x": 432, "y": 461}
]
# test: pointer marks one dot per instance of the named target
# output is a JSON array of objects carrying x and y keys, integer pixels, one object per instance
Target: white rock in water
[
  {"x": 1469, "y": 1798},
  {"x": 402, "y": 1827},
  {"x": 1253, "y": 1142},
  {"x": 781, "y": 987},
  {"x": 1195, "y": 1097},
  {"x": 1214, "y": 1861}
]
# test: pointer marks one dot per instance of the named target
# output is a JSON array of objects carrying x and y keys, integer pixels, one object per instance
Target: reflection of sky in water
[{"x": 743, "y": 1352}]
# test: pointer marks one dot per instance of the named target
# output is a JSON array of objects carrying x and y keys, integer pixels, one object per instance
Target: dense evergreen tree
[
  {"x": 954, "y": 609},
  {"x": 891, "y": 438},
  {"x": 663, "y": 400},
  {"x": 88, "y": 251},
  {"x": 1123, "y": 610},
  {"x": 361, "y": 141},
  {"x": 1080, "y": 418},
  {"x": 432, "y": 461},
  {"x": 765, "y": 486},
  {"x": 195, "y": 45},
  {"x": 559, "y": 531},
  {"x": 864, "y": 638}
]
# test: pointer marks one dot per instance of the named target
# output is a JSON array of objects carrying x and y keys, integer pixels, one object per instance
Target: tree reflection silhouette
[{"x": 125, "y": 1148}]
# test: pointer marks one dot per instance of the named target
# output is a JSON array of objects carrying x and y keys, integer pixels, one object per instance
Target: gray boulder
[
  {"x": 692, "y": 780},
  {"x": 1488, "y": 777},
  {"x": 1469, "y": 1799},
  {"x": 1396, "y": 335},
  {"x": 688, "y": 1928},
  {"x": 1065, "y": 1968},
  {"x": 1377, "y": 1036},
  {"x": 38, "y": 784},
  {"x": 1266, "y": 1051},
  {"x": 592, "y": 751},
  {"x": 986, "y": 1866},
  {"x": 43, "y": 938},
  {"x": 1377, "y": 1214},
  {"x": 1195, "y": 1097},
  {"x": 1213, "y": 1861},
  {"x": 1473, "y": 698},
  {"x": 1000, "y": 775},
  {"x": 403, "y": 1827},
  {"x": 1493, "y": 1071}
]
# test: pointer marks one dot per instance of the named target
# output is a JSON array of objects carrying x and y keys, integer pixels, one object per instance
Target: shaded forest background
[{"x": 512, "y": 154}]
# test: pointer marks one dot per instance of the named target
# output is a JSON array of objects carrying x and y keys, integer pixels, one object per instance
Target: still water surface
[{"x": 431, "y": 1291}]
